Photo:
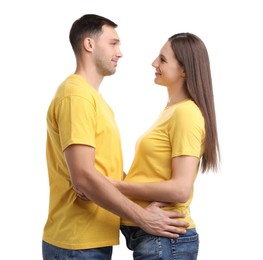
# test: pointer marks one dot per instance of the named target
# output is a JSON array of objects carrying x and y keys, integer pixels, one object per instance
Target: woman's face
[{"x": 169, "y": 72}]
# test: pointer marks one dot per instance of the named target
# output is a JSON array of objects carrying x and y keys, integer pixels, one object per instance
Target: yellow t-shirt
[
  {"x": 79, "y": 115},
  {"x": 179, "y": 130}
]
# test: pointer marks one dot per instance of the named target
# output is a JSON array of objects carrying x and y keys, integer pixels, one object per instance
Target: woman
[{"x": 169, "y": 154}]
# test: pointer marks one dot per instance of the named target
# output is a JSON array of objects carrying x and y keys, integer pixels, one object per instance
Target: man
[{"x": 83, "y": 146}]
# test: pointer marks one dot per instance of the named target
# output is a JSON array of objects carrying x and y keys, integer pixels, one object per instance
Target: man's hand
[{"x": 161, "y": 222}]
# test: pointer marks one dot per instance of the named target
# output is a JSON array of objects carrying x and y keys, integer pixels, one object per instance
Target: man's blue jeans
[
  {"x": 51, "y": 252},
  {"x": 149, "y": 247}
]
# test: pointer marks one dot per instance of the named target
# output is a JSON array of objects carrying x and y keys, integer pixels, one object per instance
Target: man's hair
[{"x": 89, "y": 25}]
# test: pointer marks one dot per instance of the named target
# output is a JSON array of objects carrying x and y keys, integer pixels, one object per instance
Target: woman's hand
[{"x": 80, "y": 195}]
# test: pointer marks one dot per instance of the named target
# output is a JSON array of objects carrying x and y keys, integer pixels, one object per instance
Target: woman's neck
[{"x": 175, "y": 97}]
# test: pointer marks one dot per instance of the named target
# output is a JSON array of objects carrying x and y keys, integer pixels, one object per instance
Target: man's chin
[{"x": 109, "y": 73}]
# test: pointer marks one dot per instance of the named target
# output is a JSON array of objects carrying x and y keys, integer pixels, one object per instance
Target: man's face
[{"x": 107, "y": 51}]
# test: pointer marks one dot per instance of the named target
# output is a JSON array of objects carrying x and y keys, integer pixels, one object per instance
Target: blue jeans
[
  {"x": 51, "y": 252},
  {"x": 149, "y": 247}
]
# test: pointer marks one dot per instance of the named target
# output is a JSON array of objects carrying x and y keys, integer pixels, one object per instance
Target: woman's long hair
[{"x": 192, "y": 55}]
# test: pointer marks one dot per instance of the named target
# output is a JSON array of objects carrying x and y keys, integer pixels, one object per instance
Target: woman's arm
[{"x": 177, "y": 189}]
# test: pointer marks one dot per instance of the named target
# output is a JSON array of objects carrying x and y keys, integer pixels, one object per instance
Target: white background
[{"x": 35, "y": 56}]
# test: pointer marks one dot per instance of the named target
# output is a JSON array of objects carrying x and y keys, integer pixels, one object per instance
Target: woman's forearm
[{"x": 166, "y": 191}]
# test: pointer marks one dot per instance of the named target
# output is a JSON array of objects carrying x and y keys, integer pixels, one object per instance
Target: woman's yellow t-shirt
[{"x": 179, "y": 130}]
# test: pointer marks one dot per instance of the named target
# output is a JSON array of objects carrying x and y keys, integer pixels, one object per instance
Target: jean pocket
[
  {"x": 185, "y": 239},
  {"x": 186, "y": 245}
]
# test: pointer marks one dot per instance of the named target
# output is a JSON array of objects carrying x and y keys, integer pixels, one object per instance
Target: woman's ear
[{"x": 183, "y": 74}]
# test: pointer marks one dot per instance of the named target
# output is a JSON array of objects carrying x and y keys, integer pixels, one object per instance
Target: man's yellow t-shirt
[
  {"x": 178, "y": 131},
  {"x": 79, "y": 115}
]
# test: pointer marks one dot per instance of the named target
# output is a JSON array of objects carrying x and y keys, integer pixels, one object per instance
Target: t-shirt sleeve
[
  {"x": 187, "y": 133},
  {"x": 76, "y": 121}
]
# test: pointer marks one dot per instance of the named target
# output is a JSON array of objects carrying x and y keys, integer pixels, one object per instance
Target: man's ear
[{"x": 88, "y": 44}]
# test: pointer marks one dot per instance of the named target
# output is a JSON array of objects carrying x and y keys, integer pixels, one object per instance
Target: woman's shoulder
[{"x": 187, "y": 108}]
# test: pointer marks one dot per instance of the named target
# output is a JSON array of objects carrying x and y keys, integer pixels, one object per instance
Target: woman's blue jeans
[
  {"x": 149, "y": 247},
  {"x": 51, "y": 252}
]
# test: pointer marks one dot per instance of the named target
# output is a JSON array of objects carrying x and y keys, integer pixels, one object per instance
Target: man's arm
[{"x": 93, "y": 185}]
